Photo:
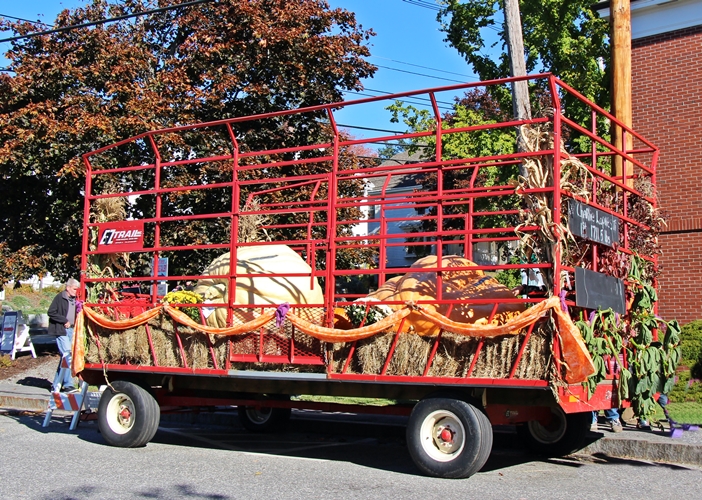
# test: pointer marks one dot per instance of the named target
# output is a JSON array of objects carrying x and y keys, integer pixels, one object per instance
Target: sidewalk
[{"x": 654, "y": 446}]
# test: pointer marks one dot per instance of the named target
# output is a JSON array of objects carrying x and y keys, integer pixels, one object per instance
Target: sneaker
[
  {"x": 594, "y": 427},
  {"x": 69, "y": 390},
  {"x": 615, "y": 426},
  {"x": 643, "y": 425}
]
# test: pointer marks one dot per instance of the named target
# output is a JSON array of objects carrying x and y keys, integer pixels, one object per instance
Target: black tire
[
  {"x": 563, "y": 436},
  {"x": 263, "y": 418},
  {"x": 128, "y": 416},
  {"x": 448, "y": 438}
]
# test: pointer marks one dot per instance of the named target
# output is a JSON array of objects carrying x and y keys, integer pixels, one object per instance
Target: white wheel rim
[
  {"x": 259, "y": 415},
  {"x": 120, "y": 414},
  {"x": 551, "y": 434},
  {"x": 442, "y": 435}
]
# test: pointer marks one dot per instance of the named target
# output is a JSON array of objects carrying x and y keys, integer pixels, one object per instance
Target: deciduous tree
[
  {"x": 565, "y": 37},
  {"x": 74, "y": 91}
]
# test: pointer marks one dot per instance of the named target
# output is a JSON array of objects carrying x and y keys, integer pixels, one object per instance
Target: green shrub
[
  {"x": 5, "y": 361},
  {"x": 691, "y": 343},
  {"x": 511, "y": 278},
  {"x": 688, "y": 388},
  {"x": 20, "y": 302}
]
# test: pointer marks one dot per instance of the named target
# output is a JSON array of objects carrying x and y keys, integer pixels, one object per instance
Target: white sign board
[
  {"x": 162, "y": 270},
  {"x": 9, "y": 324}
]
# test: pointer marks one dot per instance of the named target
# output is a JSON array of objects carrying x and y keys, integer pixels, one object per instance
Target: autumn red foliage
[{"x": 71, "y": 92}]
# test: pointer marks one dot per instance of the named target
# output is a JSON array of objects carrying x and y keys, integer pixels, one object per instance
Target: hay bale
[
  {"x": 454, "y": 356},
  {"x": 410, "y": 356},
  {"x": 165, "y": 347}
]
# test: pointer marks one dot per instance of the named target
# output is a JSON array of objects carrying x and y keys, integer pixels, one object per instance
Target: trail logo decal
[{"x": 123, "y": 236}]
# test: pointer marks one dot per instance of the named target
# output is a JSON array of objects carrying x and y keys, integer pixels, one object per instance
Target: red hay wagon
[{"x": 299, "y": 181}]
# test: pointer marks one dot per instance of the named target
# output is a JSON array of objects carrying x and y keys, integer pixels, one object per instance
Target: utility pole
[
  {"x": 517, "y": 66},
  {"x": 620, "y": 11}
]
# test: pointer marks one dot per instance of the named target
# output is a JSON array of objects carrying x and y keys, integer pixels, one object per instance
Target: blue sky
[{"x": 409, "y": 48}]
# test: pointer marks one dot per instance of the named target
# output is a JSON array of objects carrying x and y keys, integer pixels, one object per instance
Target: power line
[
  {"x": 25, "y": 20},
  {"x": 103, "y": 21},
  {"x": 427, "y": 67},
  {"x": 434, "y": 7},
  {"x": 424, "y": 3},
  {"x": 414, "y": 97},
  {"x": 410, "y": 100},
  {"x": 418, "y": 74}
]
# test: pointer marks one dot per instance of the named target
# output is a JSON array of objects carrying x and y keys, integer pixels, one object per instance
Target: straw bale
[
  {"x": 166, "y": 347},
  {"x": 453, "y": 358}
]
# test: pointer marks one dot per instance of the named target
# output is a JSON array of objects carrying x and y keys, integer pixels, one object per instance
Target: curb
[
  {"x": 20, "y": 400},
  {"x": 20, "y": 403},
  {"x": 640, "y": 449}
]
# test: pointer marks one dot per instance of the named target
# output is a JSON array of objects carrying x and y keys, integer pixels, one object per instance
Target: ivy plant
[{"x": 650, "y": 345}]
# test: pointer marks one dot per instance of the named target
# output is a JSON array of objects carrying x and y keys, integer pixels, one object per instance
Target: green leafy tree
[
  {"x": 74, "y": 91},
  {"x": 477, "y": 106},
  {"x": 564, "y": 37}
]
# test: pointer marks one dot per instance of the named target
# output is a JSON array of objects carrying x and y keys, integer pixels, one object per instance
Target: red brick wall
[
  {"x": 679, "y": 291},
  {"x": 667, "y": 110}
]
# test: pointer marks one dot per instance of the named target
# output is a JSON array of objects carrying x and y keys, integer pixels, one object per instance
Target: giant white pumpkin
[{"x": 260, "y": 289}]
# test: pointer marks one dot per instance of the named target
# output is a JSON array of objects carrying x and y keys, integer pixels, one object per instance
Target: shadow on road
[{"x": 368, "y": 444}]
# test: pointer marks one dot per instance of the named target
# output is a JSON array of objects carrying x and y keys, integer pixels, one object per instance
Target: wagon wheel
[
  {"x": 128, "y": 415},
  {"x": 263, "y": 418},
  {"x": 448, "y": 438},
  {"x": 563, "y": 435}
]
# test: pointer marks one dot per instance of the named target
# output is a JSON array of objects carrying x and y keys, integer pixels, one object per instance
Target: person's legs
[
  {"x": 593, "y": 425},
  {"x": 612, "y": 417},
  {"x": 64, "y": 344},
  {"x": 67, "y": 377}
]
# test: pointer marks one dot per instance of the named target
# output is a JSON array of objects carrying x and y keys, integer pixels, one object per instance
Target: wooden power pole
[
  {"x": 517, "y": 65},
  {"x": 515, "y": 47},
  {"x": 620, "y": 12}
]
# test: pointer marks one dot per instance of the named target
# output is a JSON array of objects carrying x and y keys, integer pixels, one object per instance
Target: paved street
[{"x": 313, "y": 460}]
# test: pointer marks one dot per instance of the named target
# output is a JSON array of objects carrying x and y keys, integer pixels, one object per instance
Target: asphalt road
[{"x": 312, "y": 460}]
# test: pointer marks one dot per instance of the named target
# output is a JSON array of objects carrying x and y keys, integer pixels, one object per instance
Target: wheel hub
[
  {"x": 444, "y": 436},
  {"x": 124, "y": 415}
]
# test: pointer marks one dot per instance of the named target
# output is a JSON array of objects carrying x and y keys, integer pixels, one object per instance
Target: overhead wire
[
  {"x": 25, "y": 20},
  {"x": 104, "y": 21},
  {"x": 421, "y": 3}
]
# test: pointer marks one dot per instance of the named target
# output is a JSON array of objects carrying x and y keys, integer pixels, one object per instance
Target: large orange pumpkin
[{"x": 460, "y": 286}]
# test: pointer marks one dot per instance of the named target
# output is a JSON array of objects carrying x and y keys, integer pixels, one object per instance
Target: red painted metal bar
[
  {"x": 518, "y": 359},
  {"x": 352, "y": 351},
  {"x": 180, "y": 346},
  {"x": 432, "y": 353},
  {"x": 391, "y": 352},
  {"x": 150, "y": 339},
  {"x": 462, "y": 381}
]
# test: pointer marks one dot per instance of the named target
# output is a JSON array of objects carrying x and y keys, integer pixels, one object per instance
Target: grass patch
[
  {"x": 28, "y": 300},
  {"x": 683, "y": 413},
  {"x": 341, "y": 400},
  {"x": 686, "y": 413},
  {"x": 688, "y": 388}
]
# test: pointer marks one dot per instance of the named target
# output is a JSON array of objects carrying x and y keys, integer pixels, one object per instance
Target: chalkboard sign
[
  {"x": 9, "y": 324},
  {"x": 596, "y": 290},
  {"x": 592, "y": 224}
]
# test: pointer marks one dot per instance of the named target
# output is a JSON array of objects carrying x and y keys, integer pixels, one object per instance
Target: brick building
[{"x": 667, "y": 110}]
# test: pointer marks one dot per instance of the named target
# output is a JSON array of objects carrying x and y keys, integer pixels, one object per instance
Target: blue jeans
[
  {"x": 611, "y": 415},
  {"x": 64, "y": 344}
]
